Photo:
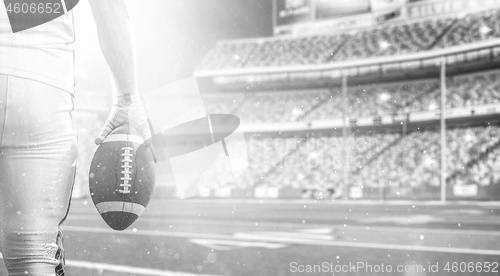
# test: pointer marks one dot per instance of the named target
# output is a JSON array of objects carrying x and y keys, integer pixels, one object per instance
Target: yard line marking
[
  {"x": 250, "y": 237},
  {"x": 229, "y": 244},
  {"x": 299, "y": 226},
  {"x": 324, "y": 231},
  {"x": 125, "y": 269},
  {"x": 286, "y": 236}
]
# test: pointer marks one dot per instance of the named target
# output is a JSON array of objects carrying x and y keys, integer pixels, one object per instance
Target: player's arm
[
  {"x": 116, "y": 38},
  {"x": 117, "y": 42}
]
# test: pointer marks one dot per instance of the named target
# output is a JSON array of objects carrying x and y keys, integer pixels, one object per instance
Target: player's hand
[{"x": 127, "y": 109}]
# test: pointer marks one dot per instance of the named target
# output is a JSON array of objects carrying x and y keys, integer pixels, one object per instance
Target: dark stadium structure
[{"x": 356, "y": 113}]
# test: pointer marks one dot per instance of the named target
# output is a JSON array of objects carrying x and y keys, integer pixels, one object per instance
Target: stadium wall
[{"x": 483, "y": 193}]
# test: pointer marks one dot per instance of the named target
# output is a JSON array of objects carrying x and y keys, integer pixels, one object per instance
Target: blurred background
[
  {"x": 349, "y": 92},
  {"x": 372, "y": 130}
]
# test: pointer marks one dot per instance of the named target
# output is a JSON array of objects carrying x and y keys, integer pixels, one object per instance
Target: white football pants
[{"x": 37, "y": 167}]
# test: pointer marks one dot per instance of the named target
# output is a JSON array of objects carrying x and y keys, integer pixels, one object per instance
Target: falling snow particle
[{"x": 212, "y": 257}]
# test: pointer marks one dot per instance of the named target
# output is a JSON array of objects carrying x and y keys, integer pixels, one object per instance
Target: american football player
[{"x": 37, "y": 142}]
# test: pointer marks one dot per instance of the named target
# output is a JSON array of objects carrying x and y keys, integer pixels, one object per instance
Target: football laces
[{"x": 126, "y": 170}]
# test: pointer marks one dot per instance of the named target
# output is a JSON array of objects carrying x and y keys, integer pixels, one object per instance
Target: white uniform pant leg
[{"x": 37, "y": 167}]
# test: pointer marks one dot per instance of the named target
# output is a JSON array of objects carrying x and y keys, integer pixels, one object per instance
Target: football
[{"x": 121, "y": 177}]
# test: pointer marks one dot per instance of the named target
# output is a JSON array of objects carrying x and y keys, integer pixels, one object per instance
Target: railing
[{"x": 412, "y": 117}]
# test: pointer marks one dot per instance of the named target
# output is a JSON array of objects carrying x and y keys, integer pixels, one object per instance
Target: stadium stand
[
  {"x": 415, "y": 160},
  {"x": 379, "y": 158},
  {"x": 389, "y": 160},
  {"x": 379, "y": 41},
  {"x": 363, "y": 101}
]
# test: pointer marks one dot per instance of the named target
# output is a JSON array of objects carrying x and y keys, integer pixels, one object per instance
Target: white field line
[
  {"x": 299, "y": 226},
  {"x": 342, "y": 202},
  {"x": 292, "y": 240},
  {"x": 449, "y": 220},
  {"x": 229, "y": 244},
  {"x": 331, "y": 202},
  {"x": 124, "y": 269}
]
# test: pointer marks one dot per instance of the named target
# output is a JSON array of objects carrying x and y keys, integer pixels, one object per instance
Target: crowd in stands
[
  {"x": 387, "y": 160},
  {"x": 380, "y": 41},
  {"x": 363, "y": 101},
  {"x": 306, "y": 50},
  {"x": 279, "y": 106},
  {"x": 472, "y": 28},
  {"x": 229, "y": 55},
  {"x": 394, "y": 40},
  {"x": 415, "y": 160},
  {"x": 317, "y": 162},
  {"x": 484, "y": 147}
]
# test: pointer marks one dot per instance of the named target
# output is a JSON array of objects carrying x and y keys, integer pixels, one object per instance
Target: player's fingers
[
  {"x": 145, "y": 132},
  {"x": 150, "y": 146},
  {"x": 106, "y": 130},
  {"x": 154, "y": 154}
]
